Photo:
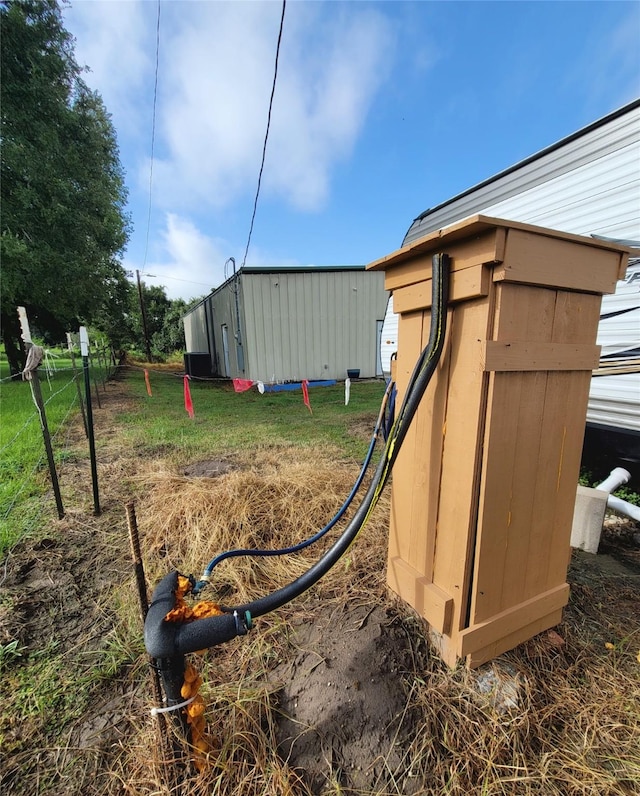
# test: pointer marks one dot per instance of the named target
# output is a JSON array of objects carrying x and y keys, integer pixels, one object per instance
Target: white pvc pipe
[
  {"x": 616, "y": 478},
  {"x": 622, "y": 506}
]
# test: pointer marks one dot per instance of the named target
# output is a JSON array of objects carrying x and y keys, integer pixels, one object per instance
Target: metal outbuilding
[{"x": 287, "y": 323}]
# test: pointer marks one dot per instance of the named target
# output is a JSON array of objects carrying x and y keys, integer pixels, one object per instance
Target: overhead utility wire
[
  {"x": 266, "y": 136},
  {"x": 153, "y": 136}
]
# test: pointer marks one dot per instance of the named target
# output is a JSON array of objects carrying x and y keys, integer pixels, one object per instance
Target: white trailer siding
[
  {"x": 586, "y": 171},
  {"x": 613, "y": 401},
  {"x": 619, "y": 329},
  {"x": 588, "y": 184},
  {"x": 389, "y": 339},
  {"x": 598, "y": 198}
]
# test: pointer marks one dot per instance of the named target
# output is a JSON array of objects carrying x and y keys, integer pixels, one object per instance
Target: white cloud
[
  {"x": 215, "y": 86},
  {"x": 114, "y": 39},
  {"x": 330, "y": 79},
  {"x": 214, "y": 83},
  {"x": 190, "y": 263}
]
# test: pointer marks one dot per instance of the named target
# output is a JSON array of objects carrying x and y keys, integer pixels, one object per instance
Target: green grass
[
  {"x": 48, "y": 690},
  {"x": 24, "y": 475},
  {"x": 226, "y": 421},
  {"x": 51, "y": 687}
]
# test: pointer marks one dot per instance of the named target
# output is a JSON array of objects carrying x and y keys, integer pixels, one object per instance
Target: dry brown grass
[
  {"x": 574, "y": 731},
  {"x": 274, "y": 499}
]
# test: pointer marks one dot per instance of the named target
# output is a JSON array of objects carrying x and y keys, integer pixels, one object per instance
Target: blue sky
[{"x": 381, "y": 110}]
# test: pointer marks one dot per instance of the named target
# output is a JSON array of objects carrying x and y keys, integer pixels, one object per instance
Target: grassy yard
[
  {"x": 230, "y": 421},
  {"x": 345, "y": 669},
  {"x": 224, "y": 420}
]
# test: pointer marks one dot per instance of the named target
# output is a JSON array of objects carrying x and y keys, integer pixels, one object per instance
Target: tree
[
  {"x": 171, "y": 337},
  {"x": 63, "y": 224},
  {"x": 164, "y": 319}
]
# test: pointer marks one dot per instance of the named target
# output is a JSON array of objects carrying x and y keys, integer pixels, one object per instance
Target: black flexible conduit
[
  {"x": 257, "y": 552},
  {"x": 166, "y": 640},
  {"x": 418, "y": 382}
]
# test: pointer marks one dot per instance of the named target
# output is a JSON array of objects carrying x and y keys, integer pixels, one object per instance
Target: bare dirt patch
[
  {"x": 343, "y": 706},
  {"x": 361, "y": 426},
  {"x": 210, "y": 468}
]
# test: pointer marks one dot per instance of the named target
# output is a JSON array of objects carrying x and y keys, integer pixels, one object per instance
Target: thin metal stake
[
  {"x": 84, "y": 347},
  {"x": 103, "y": 364},
  {"x": 80, "y": 398},
  {"x": 37, "y": 397},
  {"x": 136, "y": 557},
  {"x": 95, "y": 383},
  {"x": 170, "y": 752},
  {"x": 36, "y": 392}
]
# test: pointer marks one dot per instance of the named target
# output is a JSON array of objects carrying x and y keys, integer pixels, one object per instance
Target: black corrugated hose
[{"x": 167, "y": 639}]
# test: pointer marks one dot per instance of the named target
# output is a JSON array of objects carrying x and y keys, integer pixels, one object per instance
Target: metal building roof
[{"x": 298, "y": 269}]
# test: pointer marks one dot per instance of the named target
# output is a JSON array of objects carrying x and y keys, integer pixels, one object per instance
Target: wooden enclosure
[{"x": 484, "y": 486}]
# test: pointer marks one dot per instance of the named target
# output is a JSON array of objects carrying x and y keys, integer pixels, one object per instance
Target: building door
[
  {"x": 225, "y": 350},
  {"x": 379, "y": 325}
]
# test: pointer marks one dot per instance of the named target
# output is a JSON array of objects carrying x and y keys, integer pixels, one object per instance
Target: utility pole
[{"x": 144, "y": 319}]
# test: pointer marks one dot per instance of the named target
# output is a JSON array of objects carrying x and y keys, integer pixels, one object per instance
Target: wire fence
[
  {"x": 22, "y": 453},
  {"x": 24, "y": 487}
]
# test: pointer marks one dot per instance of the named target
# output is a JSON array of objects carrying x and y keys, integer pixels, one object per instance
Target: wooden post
[
  {"x": 484, "y": 487},
  {"x": 143, "y": 313},
  {"x": 34, "y": 382}
]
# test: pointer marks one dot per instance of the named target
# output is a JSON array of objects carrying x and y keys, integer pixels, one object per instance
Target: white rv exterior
[{"x": 587, "y": 184}]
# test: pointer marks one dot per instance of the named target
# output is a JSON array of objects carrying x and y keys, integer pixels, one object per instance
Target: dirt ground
[
  {"x": 341, "y": 699},
  {"x": 343, "y": 702}
]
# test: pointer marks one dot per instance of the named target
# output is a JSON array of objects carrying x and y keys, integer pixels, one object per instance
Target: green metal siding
[{"x": 311, "y": 325}]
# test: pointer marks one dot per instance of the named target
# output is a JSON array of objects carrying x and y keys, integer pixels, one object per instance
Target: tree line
[{"x": 64, "y": 224}]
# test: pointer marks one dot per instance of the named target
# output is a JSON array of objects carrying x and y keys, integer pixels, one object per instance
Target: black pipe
[
  {"x": 169, "y": 640},
  {"x": 166, "y": 640},
  {"x": 428, "y": 360}
]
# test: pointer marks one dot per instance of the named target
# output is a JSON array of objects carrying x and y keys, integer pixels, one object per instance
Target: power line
[
  {"x": 266, "y": 136},
  {"x": 176, "y": 278},
  {"x": 153, "y": 136}
]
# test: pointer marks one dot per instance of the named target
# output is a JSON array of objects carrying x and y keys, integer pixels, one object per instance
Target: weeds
[{"x": 9, "y": 652}]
